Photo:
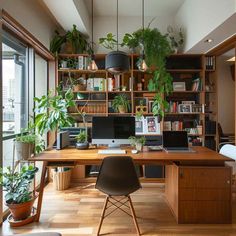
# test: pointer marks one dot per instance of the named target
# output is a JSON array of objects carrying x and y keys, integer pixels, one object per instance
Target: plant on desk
[
  {"x": 19, "y": 198},
  {"x": 137, "y": 142},
  {"x": 81, "y": 141},
  {"x": 121, "y": 104}
]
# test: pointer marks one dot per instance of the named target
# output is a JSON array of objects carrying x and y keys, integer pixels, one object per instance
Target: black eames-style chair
[{"x": 118, "y": 179}]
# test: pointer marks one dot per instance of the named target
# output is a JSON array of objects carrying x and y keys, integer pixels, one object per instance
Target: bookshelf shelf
[{"x": 190, "y": 69}]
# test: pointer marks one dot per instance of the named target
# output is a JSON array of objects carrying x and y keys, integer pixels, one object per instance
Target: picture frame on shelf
[
  {"x": 185, "y": 108},
  {"x": 139, "y": 125},
  {"x": 152, "y": 126},
  {"x": 150, "y": 103},
  {"x": 179, "y": 86}
]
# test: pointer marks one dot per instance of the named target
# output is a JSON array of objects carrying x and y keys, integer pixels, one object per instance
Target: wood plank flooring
[{"x": 77, "y": 210}]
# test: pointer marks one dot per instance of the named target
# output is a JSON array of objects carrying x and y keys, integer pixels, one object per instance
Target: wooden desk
[{"x": 198, "y": 184}]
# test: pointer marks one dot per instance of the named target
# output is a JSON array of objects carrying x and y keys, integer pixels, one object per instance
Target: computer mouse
[{"x": 134, "y": 151}]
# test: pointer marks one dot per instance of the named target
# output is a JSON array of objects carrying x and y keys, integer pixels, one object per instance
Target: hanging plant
[
  {"x": 157, "y": 48},
  {"x": 108, "y": 42}
]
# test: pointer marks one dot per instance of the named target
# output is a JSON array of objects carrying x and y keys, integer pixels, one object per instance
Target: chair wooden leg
[
  {"x": 102, "y": 216},
  {"x": 134, "y": 216}
]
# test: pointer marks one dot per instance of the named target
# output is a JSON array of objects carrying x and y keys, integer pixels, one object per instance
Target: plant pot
[
  {"x": 139, "y": 147},
  {"x": 61, "y": 179},
  {"x": 24, "y": 150},
  {"x": 122, "y": 109},
  {"x": 21, "y": 211},
  {"x": 82, "y": 146}
]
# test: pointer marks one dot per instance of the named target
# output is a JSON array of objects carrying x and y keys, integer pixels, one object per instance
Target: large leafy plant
[
  {"x": 17, "y": 184},
  {"x": 157, "y": 48},
  {"x": 121, "y": 100},
  {"x": 108, "y": 42},
  {"x": 74, "y": 37},
  {"x": 51, "y": 111}
]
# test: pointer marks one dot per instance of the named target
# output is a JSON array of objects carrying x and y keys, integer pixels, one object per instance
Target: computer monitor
[{"x": 112, "y": 131}]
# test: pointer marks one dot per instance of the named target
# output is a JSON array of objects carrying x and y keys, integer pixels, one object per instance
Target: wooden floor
[{"x": 77, "y": 210}]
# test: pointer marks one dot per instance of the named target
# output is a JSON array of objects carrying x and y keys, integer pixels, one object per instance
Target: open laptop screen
[{"x": 175, "y": 139}]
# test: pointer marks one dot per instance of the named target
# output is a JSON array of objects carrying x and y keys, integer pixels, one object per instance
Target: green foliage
[
  {"x": 77, "y": 40},
  {"x": 17, "y": 184},
  {"x": 130, "y": 41},
  {"x": 121, "y": 100},
  {"x": 74, "y": 37},
  {"x": 108, "y": 42},
  {"x": 176, "y": 38},
  {"x": 81, "y": 137},
  {"x": 51, "y": 111},
  {"x": 137, "y": 140},
  {"x": 57, "y": 42},
  {"x": 28, "y": 135},
  {"x": 162, "y": 84}
]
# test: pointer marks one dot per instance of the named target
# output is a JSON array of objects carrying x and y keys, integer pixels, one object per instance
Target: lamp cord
[
  {"x": 92, "y": 28},
  {"x": 117, "y": 25},
  {"x": 143, "y": 24}
]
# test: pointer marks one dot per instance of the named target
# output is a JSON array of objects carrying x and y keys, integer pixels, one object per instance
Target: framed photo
[
  {"x": 151, "y": 125},
  {"x": 188, "y": 102},
  {"x": 179, "y": 86},
  {"x": 185, "y": 108},
  {"x": 139, "y": 126},
  {"x": 150, "y": 103}
]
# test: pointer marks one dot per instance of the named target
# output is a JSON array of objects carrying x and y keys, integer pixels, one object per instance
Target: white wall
[
  {"x": 200, "y": 17},
  {"x": 226, "y": 96},
  {"x": 33, "y": 16},
  {"x": 107, "y": 24}
]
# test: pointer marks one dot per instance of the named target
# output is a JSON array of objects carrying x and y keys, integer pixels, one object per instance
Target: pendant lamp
[
  {"x": 117, "y": 62},
  {"x": 92, "y": 66},
  {"x": 142, "y": 66}
]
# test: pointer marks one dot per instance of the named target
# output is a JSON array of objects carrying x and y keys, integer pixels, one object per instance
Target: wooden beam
[
  {"x": 223, "y": 47},
  {"x": 11, "y": 25}
]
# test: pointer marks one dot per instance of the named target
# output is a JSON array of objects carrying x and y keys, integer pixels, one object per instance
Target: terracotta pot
[
  {"x": 79, "y": 87},
  {"x": 122, "y": 109},
  {"x": 21, "y": 211},
  {"x": 24, "y": 150}
]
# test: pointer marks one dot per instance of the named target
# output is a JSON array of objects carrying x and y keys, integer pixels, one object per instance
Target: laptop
[{"x": 175, "y": 141}]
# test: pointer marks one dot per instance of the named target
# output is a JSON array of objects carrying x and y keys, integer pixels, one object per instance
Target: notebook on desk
[{"x": 176, "y": 141}]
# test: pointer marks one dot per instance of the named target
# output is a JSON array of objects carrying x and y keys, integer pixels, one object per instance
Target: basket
[{"x": 61, "y": 179}]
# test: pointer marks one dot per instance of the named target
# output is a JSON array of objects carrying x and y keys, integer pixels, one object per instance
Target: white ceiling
[{"x": 133, "y": 7}]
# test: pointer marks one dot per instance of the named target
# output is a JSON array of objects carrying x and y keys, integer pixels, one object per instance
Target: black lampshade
[{"x": 117, "y": 62}]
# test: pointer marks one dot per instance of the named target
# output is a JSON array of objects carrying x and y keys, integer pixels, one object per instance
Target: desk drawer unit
[{"x": 199, "y": 194}]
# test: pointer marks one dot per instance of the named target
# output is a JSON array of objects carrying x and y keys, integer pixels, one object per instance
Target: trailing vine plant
[{"x": 157, "y": 48}]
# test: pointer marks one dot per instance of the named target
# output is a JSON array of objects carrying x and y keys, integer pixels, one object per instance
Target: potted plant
[
  {"x": 121, "y": 104},
  {"x": 78, "y": 84},
  {"x": 108, "y": 42},
  {"x": 19, "y": 198},
  {"x": 137, "y": 142},
  {"x": 81, "y": 141},
  {"x": 27, "y": 142},
  {"x": 176, "y": 38},
  {"x": 71, "y": 42},
  {"x": 157, "y": 48}
]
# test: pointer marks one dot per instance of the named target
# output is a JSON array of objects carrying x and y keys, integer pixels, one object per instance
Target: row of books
[
  {"x": 82, "y": 63},
  {"x": 185, "y": 107},
  {"x": 96, "y": 84},
  {"x": 93, "y": 108},
  {"x": 197, "y": 85},
  {"x": 210, "y": 63},
  {"x": 173, "y": 126}
]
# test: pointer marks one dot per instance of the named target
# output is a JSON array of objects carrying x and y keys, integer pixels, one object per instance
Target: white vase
[{"x": 139, "y": 147}]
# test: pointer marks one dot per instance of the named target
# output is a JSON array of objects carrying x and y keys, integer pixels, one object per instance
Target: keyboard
[{"x": 111, "y": 151}]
